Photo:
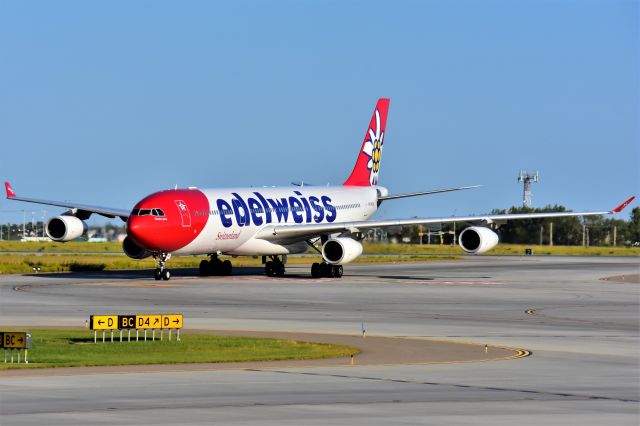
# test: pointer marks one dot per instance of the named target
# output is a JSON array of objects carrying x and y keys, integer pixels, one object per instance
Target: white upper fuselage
[{"x": 349, "y": 204}]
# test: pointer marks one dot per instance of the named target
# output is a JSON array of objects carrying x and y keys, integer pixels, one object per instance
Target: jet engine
[
  {"x": 65, "y": 228},
  {"x": 133, "y": 250},
  {"x": 477, "y": 239},
  {"x": 337, "y": 251}
]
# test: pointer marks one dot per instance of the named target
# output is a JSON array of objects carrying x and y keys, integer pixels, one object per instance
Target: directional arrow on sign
[
  {"x": 176, "y": 321},
  {"x": 20, "y": 339},
  {"x": 156, "y": 321},
  {"x": 100, "y": 322}
]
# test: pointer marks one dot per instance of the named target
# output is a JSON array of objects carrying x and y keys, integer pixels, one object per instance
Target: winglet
[
  {"x": 623, "y": 205},
  {"x": 10, "y": 193}
]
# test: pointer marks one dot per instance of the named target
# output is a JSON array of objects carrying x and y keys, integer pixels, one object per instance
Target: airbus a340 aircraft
[{"x": 273, "y": 222}]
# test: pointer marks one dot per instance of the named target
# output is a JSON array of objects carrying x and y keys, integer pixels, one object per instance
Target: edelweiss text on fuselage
[{"x": 261, "y": 210}]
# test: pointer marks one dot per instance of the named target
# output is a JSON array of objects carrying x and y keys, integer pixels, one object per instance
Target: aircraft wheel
[
  {"x": 278, "y": 269},
  {"x": 327, "y": 270},
  {"x": 268, "y": 268},
  {"x": 336, "y": 271},
  {"x": 156, "y": 274},
  {"x": 215, "y": 267},
  {"x": 316, "y": 271},
  {"x": 166, "y": 275},
  {"x": 226, "y": 268},
  {"x": 205, "y": 268}
]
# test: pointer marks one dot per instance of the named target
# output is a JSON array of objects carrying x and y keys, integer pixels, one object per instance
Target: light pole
[
  {"x": 454, "y": 228},
  {"x": 44, "y": 213},
  {"x": 454, "y": 233}
]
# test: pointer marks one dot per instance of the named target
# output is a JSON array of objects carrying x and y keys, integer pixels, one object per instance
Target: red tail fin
[{"x": 365, "y": 172}]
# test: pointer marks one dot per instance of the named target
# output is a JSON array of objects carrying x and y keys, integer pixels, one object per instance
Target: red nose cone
[
  {"x": 140, "y": 229},
  {"x": 169, "y": 220}
]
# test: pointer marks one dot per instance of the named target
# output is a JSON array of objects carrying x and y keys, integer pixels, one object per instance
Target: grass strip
[
  {"x": 75, "y": 348},
  {"x": 369, "y": 248},
  {"x": 81, "y": 256},
  {"x": 23, "y": 264}
]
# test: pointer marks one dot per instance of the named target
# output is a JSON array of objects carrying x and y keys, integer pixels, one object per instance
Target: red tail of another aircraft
[{"x": 365, "y": 172}]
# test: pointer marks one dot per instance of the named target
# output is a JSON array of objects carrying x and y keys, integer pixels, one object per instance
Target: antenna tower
[{"x": 527, "y": 178}]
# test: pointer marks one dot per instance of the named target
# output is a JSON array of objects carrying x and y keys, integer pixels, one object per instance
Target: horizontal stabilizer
[{"x": 435, "y": 191}]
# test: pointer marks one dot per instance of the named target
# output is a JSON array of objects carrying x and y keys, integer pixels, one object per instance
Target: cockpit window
[{"x": 147, "y": 212}]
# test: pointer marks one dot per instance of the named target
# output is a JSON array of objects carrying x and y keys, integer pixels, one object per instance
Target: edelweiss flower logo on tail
[{"x": 373, "y": 149}]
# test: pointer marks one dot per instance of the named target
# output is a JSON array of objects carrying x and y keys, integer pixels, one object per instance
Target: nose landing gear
[
  {"x": 215, "y": 266},
  {"x": 161, "y": 273}
]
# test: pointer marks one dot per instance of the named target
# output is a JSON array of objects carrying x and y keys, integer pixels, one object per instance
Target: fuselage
[{"x": 226, "y": 220}]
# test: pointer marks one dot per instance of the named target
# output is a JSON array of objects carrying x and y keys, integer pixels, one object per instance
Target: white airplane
[{"x": 273, "y": 222}]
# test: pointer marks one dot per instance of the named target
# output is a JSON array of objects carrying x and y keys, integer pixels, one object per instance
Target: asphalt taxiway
[{"x": 583, "y": 332}]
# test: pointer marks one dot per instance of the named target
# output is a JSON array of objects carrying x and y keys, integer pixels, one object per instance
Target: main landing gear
[
  {"x": 273, "y": 267},
  {"x": 215, "y": 266},
  {"x": 326, "y": 270},
  {"x": 161, "y": 273},
  {"x": 323, "y": 269}
]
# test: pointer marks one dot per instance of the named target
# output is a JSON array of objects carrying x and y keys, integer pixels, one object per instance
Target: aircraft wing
[
  {"x": 104, "y": 211},
  {"x": 285, "y": 233}
]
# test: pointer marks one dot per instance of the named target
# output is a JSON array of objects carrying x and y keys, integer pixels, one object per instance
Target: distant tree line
[{"x": 570, "y": 231}]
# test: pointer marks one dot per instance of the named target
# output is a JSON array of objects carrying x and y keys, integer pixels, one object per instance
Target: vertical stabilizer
[{"x": 365, "y": 172}]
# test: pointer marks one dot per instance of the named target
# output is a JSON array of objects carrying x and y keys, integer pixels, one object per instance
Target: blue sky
[{"x": 105, "y": 102}]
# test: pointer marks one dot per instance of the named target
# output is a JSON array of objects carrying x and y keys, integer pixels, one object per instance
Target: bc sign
[{"x": 15, "y": 340}]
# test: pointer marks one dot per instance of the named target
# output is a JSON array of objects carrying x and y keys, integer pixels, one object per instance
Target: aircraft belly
[{"x": 259, "y": 247}]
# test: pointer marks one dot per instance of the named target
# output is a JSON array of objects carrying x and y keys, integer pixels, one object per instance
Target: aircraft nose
[
  {"x": 167, "y": 221},
  {"x": 141, "y": 232}
]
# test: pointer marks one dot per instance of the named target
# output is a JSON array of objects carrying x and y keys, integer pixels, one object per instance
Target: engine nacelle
[
  {"x": 477, "y": 239},
  {"x": 65, "y": 228},
  {"x": 133, "y": 250},
  {"x": 338, "y": 251}
]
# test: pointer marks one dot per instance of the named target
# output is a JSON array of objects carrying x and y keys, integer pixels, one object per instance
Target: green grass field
[
  {"x": 63, "y": 257},
  {"x": 74, "y": 348},
  {"x": 22, "y": 264}
]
